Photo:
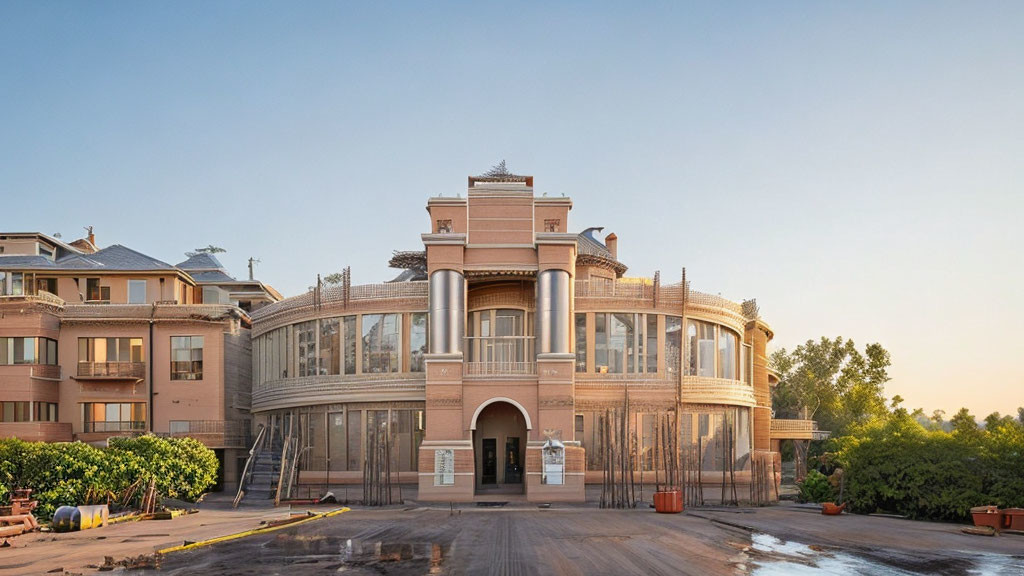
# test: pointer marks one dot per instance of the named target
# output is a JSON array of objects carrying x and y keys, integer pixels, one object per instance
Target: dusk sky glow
[{"x": 857, "y": 168}]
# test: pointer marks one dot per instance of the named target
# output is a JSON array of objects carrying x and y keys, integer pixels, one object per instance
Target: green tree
[
  {"x": 831, "y": 381},
  {"x": 963, "y": 422}
]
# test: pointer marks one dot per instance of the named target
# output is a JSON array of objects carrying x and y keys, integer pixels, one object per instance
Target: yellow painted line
[{"x": 252, "y": 532}]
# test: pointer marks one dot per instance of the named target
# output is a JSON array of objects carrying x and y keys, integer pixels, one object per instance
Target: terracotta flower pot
[
  {"x": 989, "y": 516},
  {"x": 830, "y": 508},
  {"x": 1013, "y": 518},
  {"x": 668, "y": 502}
]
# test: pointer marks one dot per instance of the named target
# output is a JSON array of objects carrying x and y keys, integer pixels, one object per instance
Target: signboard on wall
[{"x": 444, "y": 467}]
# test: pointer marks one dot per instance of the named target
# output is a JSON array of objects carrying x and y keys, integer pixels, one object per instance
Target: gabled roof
[
  {"x": 116, "y": 257},
  {"x": 201, "y": 261},
  {"x": 111, "y": 259}
]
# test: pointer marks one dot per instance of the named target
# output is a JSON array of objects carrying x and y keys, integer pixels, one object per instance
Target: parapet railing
[
  {"x": 706, "y": 390},
  {"x": 786, "y": 429},
  {"x": 112, "y": 369},
  {"x": 45, "y": 371},
  {"x": 213, "y": 433},
  {"x": 654, "y": 292}
]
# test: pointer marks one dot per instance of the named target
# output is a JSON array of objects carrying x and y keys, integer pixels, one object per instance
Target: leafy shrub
[
  {"x": 816, "y": 488},
  {"x": 898, "y": 466},
  {"x": 73, "y": 473},
  {"x": 183, "y": 467}
]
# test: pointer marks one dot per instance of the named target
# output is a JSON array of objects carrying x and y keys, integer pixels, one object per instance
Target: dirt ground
[{"x": 523, "y": 539}]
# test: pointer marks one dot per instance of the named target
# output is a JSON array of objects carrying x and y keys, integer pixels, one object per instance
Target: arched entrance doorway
[{"x": 499, "y": 447}]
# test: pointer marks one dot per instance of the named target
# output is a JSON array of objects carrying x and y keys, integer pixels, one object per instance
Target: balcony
[
  {"x": 45, "y": 372},
  {"x": 213, "y": 433},
  {"x": 111, "y": 371},
  {"x": 500, "y": 356},
  {"x": 797, "y": 430},
  {"x": 501, "y": 368},
  {"x": 705, "y": 390}
]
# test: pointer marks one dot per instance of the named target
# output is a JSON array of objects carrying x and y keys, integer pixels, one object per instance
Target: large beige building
[
  {"x": 495, "y": 355},
  {"x": 97, "y": 343}
]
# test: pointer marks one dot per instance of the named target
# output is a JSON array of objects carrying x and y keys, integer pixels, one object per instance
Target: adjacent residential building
[
  {"x": 496, "y": 356},
  {"x": 104, "y": 342}
]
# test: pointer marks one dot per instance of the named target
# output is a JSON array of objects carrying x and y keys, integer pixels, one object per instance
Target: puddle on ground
[
  {"x": 353, "y": 555},
  {"x": 770, "y": 556},
  {"x": 429, "y": 556}
]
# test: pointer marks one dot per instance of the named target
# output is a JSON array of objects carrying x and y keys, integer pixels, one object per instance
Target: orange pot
[
  {"x": 668, "y": 502},
  {"x": 830, "y": 509},
  {"x": 989, "y": 516},
  {"x": 1013, "y": 518}
]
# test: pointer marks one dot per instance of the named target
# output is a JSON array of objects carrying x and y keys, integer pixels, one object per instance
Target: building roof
[
  {"x": 111, "y": 258},
  {"x": 54, "y": 241},
  {"x": 213, "y": 276},
  {"x": 201, "y": 261},
  {"x": 24, "y": 261},
  {"x": 115, "y": 257},
  {"x": 590, "y": 250}
]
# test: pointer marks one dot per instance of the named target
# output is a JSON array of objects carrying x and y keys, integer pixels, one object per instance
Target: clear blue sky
[{"x": 857, "y": 167}]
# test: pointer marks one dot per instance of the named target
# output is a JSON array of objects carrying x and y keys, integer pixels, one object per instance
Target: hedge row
[
  {"x": 73, "y": 473},
  {"x": 897, "y": 466}
]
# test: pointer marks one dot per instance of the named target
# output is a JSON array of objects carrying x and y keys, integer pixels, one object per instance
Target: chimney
[
  {"x": 611, "y": 242},
  {"x": 91, "y": 236}
]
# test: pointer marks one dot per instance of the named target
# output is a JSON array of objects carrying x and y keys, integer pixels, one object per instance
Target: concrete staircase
[{"x": 265, "y": 473}]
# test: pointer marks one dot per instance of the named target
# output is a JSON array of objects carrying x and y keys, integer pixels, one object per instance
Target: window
[
  {"x": 136, "y": 291},
  {"x": 581, "y": 342},
  {"x": 615, "y": 345},
  {"x": 673, "y": 343},
  {"x": 46, "y": 285},
  {"x": 601, "y": 343},
  {"x": 45, "y": 251},
  {"x": 305, "y": 336},
  {"x": 186, "y": 357},
  {"x": 417, "y": 341},
  {"x": 28, "y": 351},
  {"x": 15, "y": 412},
  {"x": 114, "y": 417},
  {"x": 45, "y": 412},
  {"x": 726, "y": 354},
  {"x": 330, "y": 346},
  {"x": 349, "y": 323},
  {"x": 444, "y": 226},
  {"x": 214, "y": 295},
  {"x": 552, "y": 224},
  {"x": 652, "y": 343},
  {"x": 500, "y": 336},
  {"x": 380, "y": 343},
  {"x": 99, "y": 350},
  {"x": 713, "y": 351},
  {"x": 701, "y": 349},
  {"x": 748, "y": 364},
  {"x": 96, "y": 293}
]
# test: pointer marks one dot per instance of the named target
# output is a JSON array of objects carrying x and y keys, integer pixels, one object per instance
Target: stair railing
[{"x": 246, "y": 477}]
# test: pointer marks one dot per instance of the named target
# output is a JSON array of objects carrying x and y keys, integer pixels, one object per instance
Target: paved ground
[
  {"x": 40, "y": 552},
  {"x": 570, "y": 541},
  {"x": 527, "y": 540}
]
